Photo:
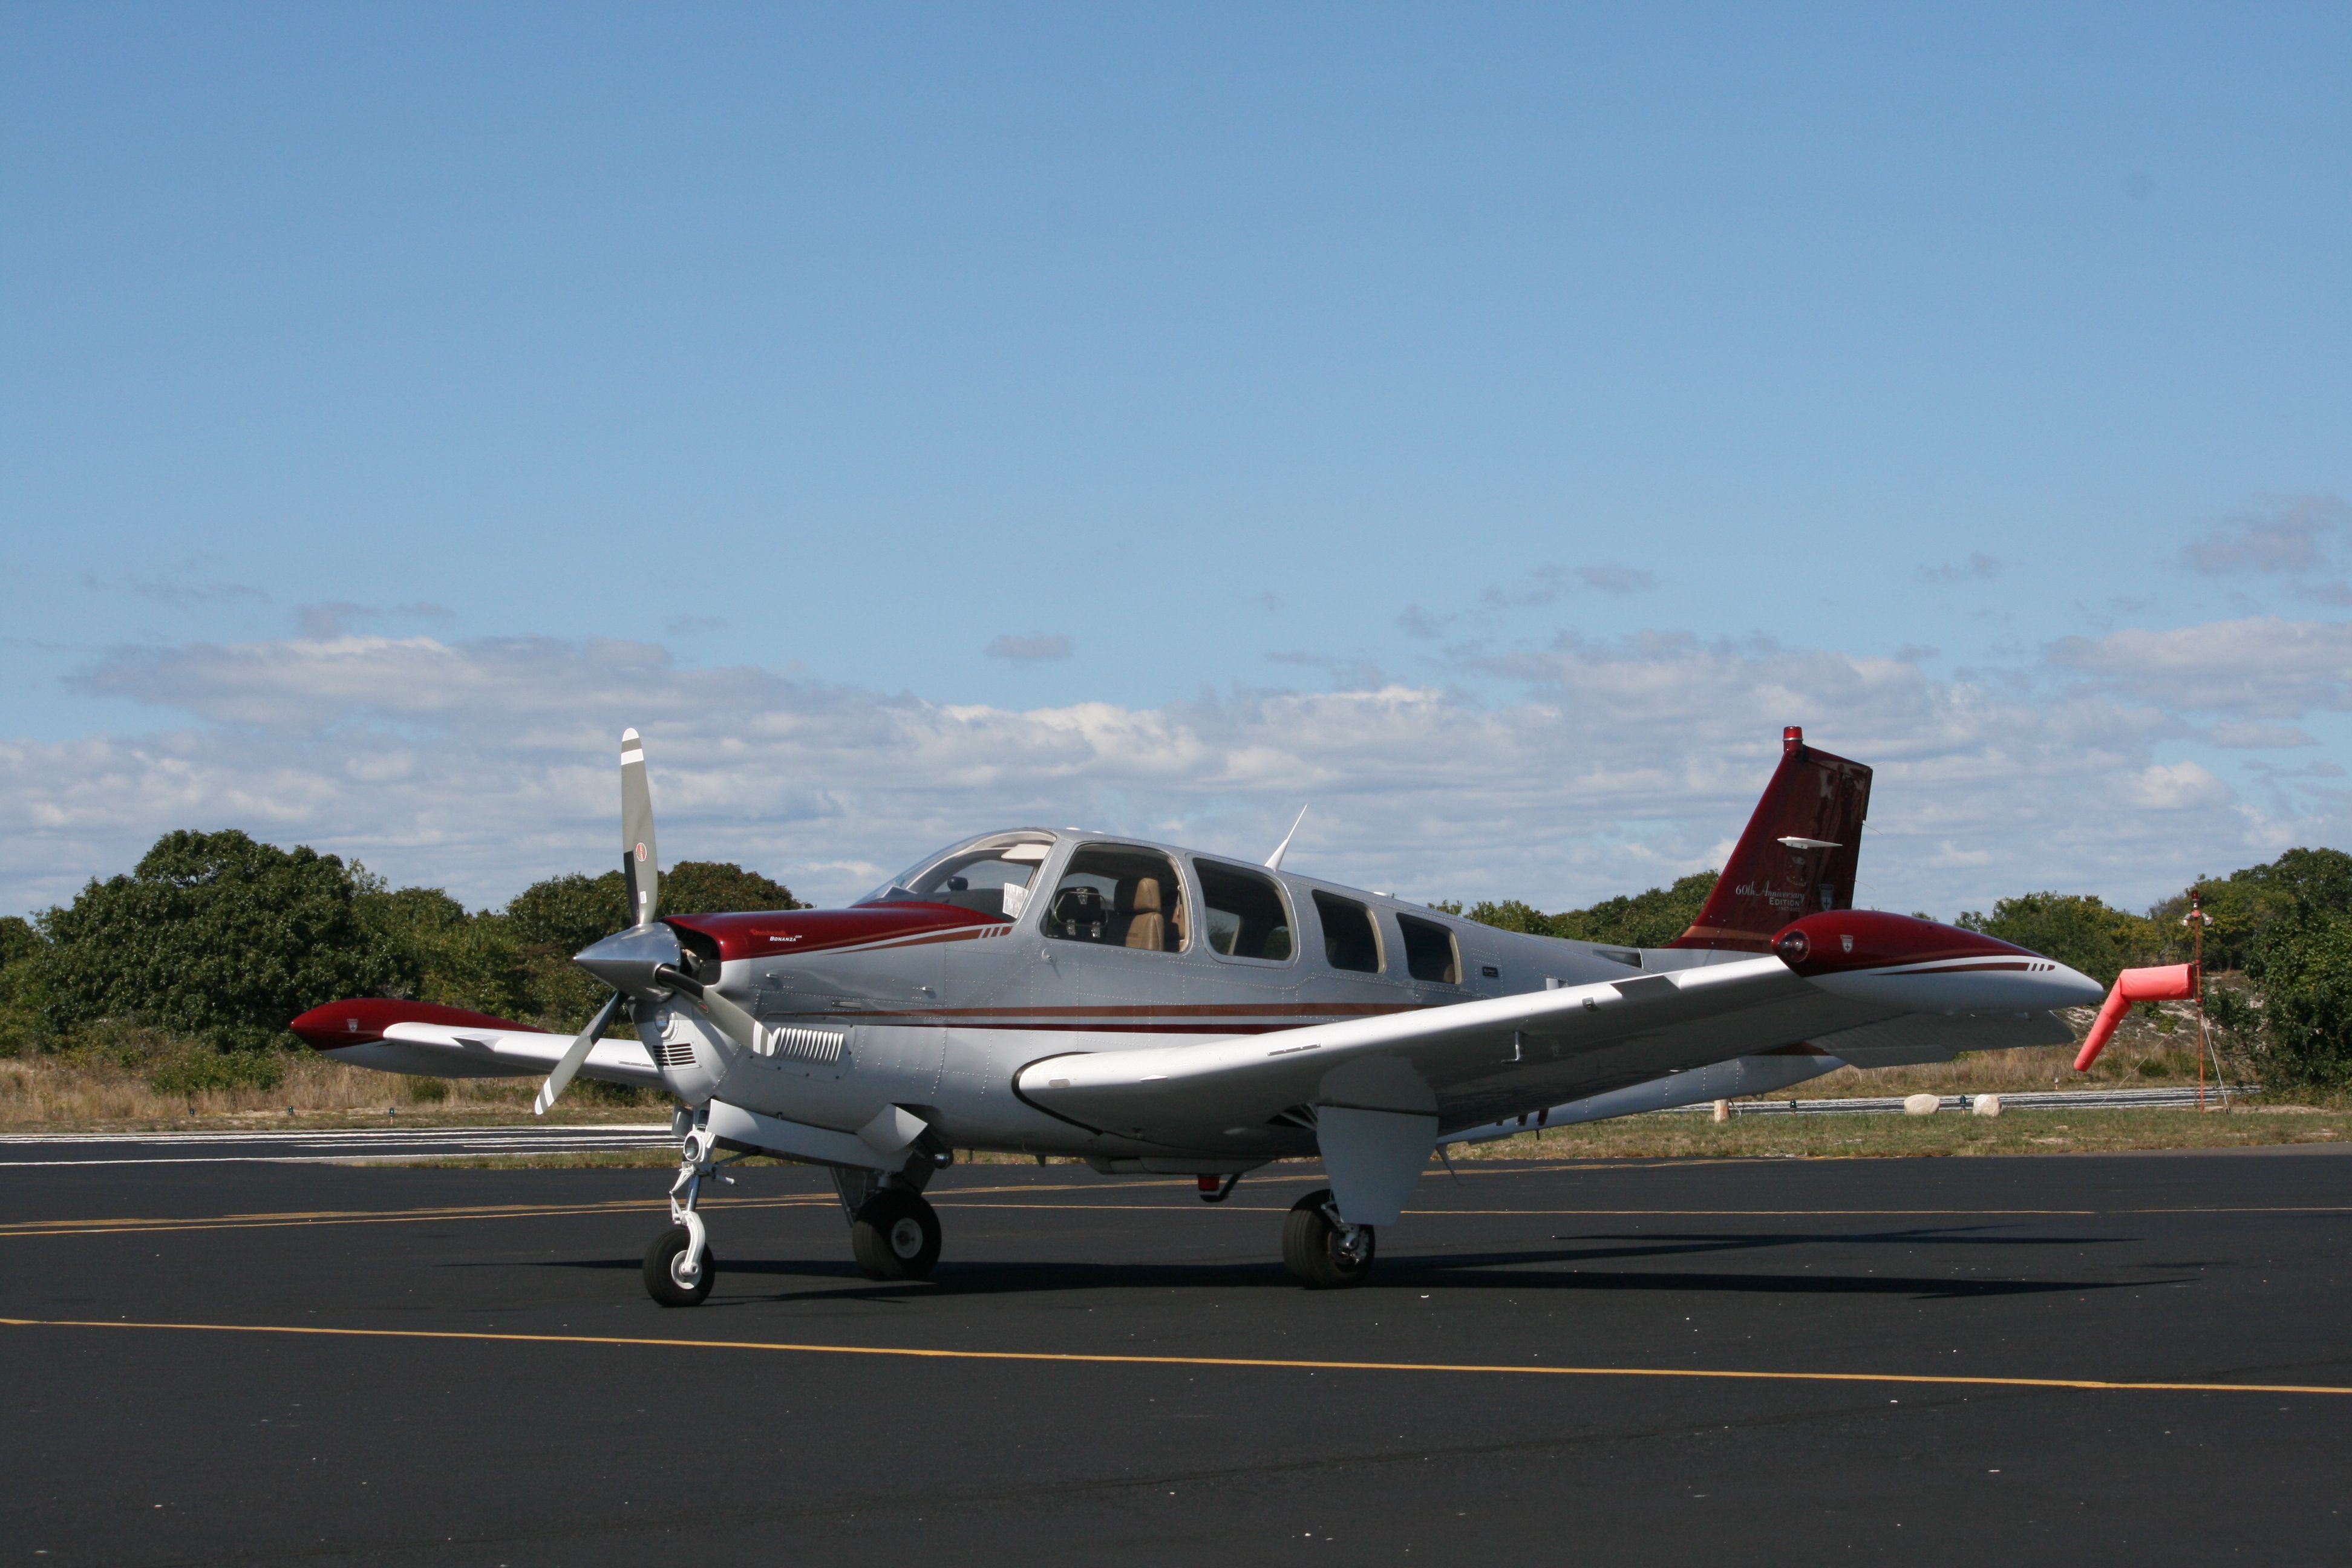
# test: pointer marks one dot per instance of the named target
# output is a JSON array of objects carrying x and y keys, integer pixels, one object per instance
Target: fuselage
[{"x": 936, "y": 996}]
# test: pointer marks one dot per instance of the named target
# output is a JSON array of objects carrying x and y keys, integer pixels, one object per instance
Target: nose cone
[
  {"x": 626, "y": 960},
  {"x": 2079, "y": 990}
]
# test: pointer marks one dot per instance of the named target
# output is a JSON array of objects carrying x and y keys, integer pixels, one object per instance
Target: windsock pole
[{"x": 2196, "y": 919}]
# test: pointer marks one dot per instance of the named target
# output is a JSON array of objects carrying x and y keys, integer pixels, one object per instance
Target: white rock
[
  {"x": 1987, "y": 1105},
  {"x": 1921, "y": 1105},
  {"x": 1723, "y": 1110}
]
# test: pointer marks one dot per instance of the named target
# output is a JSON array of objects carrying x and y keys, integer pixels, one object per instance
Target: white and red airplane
[{"x": 1148, "y": 1009}]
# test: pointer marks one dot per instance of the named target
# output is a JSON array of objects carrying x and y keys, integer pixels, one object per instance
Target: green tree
[
  {"x": 720, "y": 887},
  {"x": 551, "y": 920},
  {"x": 215, "y": 936},
  {"x": 21, "y": 948},
  {"x": 2244, "y": 904},
  {"x": 2302, "y": 971},
  {"x": 1651, "y": 918},
  {"x": 1512, "y": 915},
  {"x": 2076, "y": 928},
  {"x": 445, "y": 955}
]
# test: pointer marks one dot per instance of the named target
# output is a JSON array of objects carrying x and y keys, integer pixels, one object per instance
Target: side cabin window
[
  {"x": 1116, "y": 895},
  {"x": 1429, "y": 951},
  {"x": 1245, "y": 912},
  {"x": 1350, "y": 941}
]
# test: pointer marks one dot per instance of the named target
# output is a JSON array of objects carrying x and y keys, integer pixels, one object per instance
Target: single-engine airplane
[{"x": 1148, "y": 1009}]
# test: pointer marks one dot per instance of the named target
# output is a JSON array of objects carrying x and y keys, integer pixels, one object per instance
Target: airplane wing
[
  {"x": 1461, "y": 1063},
  {"x": 463, "y": 1050},
  {"x": 1863, "y": 987}
]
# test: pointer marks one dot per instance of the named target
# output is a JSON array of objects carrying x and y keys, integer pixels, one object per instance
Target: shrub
[
  {"x": 193, "y": 1072},
  {"x": 2302, "y": 972}
]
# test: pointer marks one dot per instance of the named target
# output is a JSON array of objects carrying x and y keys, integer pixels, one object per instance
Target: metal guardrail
[
  {"x": 328, "y": 1146},
  {"x": 2038, "y": 1100}
]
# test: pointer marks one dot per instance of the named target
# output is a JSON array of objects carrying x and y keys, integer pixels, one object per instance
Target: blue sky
[{"x": 916, "y": 416}]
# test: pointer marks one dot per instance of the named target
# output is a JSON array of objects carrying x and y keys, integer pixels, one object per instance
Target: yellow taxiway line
[{"x": 1084, "y": 1358}]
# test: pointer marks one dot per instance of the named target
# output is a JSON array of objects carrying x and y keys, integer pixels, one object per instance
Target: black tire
[
  {"x": 661, "y": 1271},
  {"x": 1311, "y": 1247},
  {"x": 896, "y": 1235}
]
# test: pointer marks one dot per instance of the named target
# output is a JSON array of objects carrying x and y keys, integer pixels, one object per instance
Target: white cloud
[
  {"x": 2286, "y": 536},
  {"x": 2175, "y": 787},
  {"x": 482, "y": 764},
  {"x": 2261, "y": 666}
]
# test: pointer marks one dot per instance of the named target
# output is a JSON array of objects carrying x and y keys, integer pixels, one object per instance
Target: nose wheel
[
  {"x": 1322, "y": 1251},
  {"x": 895, "y": 1235},
  {"x": 666, "y": 1262}
]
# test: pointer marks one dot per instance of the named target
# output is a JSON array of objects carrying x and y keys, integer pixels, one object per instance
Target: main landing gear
[
  {"x": 1321, "y": 1250},
  {"x": 893, "y": 1233}
]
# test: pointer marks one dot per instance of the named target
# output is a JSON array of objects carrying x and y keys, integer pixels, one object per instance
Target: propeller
[{"x": 640, "y": 958}]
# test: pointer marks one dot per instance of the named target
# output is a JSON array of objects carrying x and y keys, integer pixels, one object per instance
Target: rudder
[{"x": 1798, "y": 856}]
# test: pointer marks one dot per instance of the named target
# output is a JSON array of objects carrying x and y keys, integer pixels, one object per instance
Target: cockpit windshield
[{"x": 990, "y": 874}]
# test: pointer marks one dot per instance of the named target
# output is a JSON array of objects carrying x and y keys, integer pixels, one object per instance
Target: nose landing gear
[
  {"x": 679, "y": 1265},
  {"x": 1322, "y": 1251}
]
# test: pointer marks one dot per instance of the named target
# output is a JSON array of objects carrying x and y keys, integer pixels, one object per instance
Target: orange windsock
[{"x": 2169, "y": 984}]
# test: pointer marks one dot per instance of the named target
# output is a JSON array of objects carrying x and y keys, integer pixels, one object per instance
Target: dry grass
[
  {"x": 99, "y": 1092},
  {"x": 2035, "y": 1069},
  {"x": 1947, "y": 1132}
]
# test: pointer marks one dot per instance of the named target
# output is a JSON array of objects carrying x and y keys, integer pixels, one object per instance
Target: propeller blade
[
  {"x": 640, "y": 864},
  {"x": 569, "y": 1064}
]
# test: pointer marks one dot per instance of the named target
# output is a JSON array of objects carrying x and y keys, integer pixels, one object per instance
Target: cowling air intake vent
[
  {"x": 806, "y": 1045},
  {"x": 677, "y": 1053}
]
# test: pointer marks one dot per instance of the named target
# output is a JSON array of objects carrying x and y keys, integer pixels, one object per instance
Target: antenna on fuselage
[{"x": 1273, "y": 861}]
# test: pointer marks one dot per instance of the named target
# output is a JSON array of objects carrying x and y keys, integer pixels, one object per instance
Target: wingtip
[{"x": 628, "y": 737}]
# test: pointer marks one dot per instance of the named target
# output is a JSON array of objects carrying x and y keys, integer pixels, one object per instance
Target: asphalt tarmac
[{"x": 2076, "y": 1359}]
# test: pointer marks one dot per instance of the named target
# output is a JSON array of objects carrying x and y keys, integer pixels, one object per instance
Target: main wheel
[
  {"x": 662, "y": 1260},
  {"x": 1312, "y": 1248},
  {"x": 896, "y": 1235}
]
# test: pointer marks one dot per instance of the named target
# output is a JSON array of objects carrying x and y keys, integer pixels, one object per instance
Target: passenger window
[
  {"x": 1349, "y": 941},
  {"x": 1115, "y": 896},
  {"x": 1245, "y": 914},
  {"x": 1429, "y": 952}
]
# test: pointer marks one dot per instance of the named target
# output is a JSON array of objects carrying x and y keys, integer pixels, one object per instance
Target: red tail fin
[{"x": 1798, "y": 856}]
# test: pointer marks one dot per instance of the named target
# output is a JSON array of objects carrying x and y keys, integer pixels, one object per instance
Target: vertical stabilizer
[{"x": 1798, "y": 856}]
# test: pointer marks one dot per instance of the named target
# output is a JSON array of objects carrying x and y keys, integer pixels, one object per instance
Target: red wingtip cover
[
  {"x": 364, "y": 1019},
  {"x": 1814, "y": 798}
]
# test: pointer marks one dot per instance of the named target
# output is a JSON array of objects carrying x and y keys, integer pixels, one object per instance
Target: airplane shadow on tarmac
[{"x": 1519, "y": 1270}]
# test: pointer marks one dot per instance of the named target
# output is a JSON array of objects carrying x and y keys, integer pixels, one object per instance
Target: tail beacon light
[{"x": 2172, "y": 983}]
